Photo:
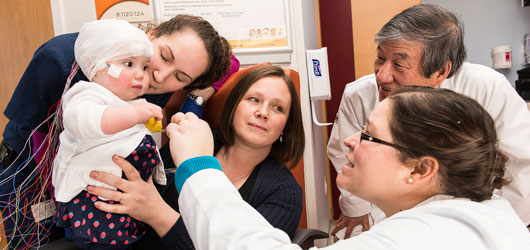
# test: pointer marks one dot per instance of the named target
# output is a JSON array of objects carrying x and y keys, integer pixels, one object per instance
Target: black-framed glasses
[{"x": 367, "y": 137}]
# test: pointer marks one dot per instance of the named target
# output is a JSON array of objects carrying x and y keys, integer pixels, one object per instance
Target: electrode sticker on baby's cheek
[{"x": 114, "y": 71}]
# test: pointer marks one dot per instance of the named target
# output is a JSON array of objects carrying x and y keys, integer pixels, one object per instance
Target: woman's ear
[{"x": 425, "y": 169}]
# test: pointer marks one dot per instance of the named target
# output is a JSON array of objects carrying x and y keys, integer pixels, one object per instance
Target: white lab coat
[{"x": 217, "y": 218}]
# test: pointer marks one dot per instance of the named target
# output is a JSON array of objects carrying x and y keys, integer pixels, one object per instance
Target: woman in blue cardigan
[{"x": 260, "y": 131}]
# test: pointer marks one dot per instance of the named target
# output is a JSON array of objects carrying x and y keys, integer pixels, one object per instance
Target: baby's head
[{"x": 115, "y": 54}]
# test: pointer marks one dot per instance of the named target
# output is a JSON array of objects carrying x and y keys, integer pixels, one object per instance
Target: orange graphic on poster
[{"x": 103, "y": 5}]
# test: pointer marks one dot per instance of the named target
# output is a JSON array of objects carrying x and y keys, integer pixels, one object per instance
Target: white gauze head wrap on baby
[{"x": 105, "y": 40}]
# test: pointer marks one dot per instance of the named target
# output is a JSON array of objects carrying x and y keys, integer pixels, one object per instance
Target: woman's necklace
[{"x": 224, "y": 163}]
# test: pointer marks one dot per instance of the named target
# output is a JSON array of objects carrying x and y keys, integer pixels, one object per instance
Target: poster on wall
[
  {"x": 248, "y": 25},
  {"x": 134, "y": 11}
]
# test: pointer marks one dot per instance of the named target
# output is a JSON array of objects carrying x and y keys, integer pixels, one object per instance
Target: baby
[{"x": 101, "y": 118}]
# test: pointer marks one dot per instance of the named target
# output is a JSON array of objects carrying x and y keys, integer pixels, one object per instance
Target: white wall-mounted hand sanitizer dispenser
[{"x": 319, "y": 89}]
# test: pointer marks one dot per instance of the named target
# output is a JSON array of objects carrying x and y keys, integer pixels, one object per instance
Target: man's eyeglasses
[{"x": 367, "y": 137}]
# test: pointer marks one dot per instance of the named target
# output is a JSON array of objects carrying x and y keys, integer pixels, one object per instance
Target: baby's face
[{"x": 127, "y": 78}]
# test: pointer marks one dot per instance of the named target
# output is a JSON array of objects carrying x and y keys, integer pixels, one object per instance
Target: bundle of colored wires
[{"x": 28, "y": 198}]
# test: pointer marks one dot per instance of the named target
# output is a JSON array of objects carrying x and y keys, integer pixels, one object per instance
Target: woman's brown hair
[{"x": 454, "y": 129}]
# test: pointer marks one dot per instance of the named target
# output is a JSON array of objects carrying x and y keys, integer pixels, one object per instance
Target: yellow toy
[{"x": 154, "y": 125}]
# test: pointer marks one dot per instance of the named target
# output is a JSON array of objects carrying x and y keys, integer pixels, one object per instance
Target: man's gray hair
[{"x": 439, "y": 31}]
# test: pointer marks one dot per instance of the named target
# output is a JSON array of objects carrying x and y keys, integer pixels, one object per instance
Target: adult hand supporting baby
[
  {"x": 137, "y": 198},
  {"x": 189, "y": 137}
]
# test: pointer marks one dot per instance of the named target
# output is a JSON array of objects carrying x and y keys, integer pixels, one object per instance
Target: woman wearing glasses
[{"x": 427, "y": 157}]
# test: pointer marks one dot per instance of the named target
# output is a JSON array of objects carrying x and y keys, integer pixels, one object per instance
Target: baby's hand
[{"x": 146, "y": 111}]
